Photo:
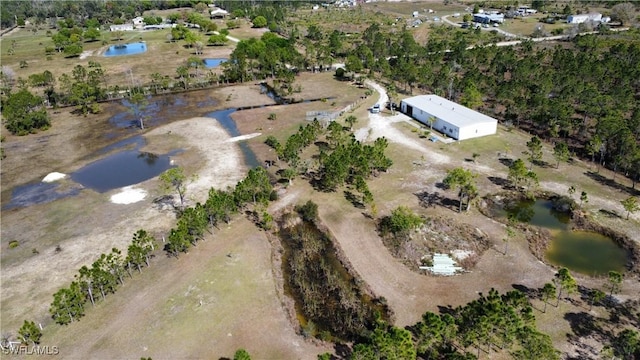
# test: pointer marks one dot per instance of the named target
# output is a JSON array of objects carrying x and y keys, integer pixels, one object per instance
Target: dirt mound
[{"x": 439, "y": 235}]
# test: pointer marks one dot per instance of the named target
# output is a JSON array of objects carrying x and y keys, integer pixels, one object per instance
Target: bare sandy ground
[{"x": 223, "y": 161}]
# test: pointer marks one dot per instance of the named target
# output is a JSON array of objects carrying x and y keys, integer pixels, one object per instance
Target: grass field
[{"x": 161, "y": 56}]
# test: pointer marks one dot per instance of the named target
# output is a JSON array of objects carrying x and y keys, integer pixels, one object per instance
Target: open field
[
  {"x": 226, "y": 293},
  {"x": 161, "y": 57}
]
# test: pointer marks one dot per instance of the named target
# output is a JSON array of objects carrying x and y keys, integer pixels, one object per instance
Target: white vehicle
[{"x": 375, "y": 109}]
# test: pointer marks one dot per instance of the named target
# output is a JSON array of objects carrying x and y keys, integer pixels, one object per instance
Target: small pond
[
  {"x": 124, "y": 168},
  {"x": 126, "y": 49},
  {"x": 539, "y": 213},
  {"x": 586, "y": 252},
  {"x": 214, "y": 62}
]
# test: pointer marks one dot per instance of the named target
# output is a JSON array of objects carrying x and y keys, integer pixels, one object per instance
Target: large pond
[
  {"x": 582, "y": 251},
  {"x": 122, "y": 169},
  {"x": 126, "y": 49}
]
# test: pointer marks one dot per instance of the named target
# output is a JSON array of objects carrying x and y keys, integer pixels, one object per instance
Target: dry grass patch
[
  {"x": 162, "y": 56},
  {"x": 222, "y": 290}
]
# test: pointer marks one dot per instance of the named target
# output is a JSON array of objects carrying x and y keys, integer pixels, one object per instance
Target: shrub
[
  {"x": 401, "y": 220},
  {"x": 308, "y": 211},
  {"x": 13, "y": 244}
]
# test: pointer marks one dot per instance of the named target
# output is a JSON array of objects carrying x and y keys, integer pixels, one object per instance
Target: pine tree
[{"x": 29, "y": 333}]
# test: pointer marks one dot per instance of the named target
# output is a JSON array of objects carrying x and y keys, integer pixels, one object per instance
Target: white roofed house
[
  {"x": 138, "y": 22},
  {"x": 218, "y": 13},
  {"x": 121, "y": 27},
  {"x": 450, "y": 118}
]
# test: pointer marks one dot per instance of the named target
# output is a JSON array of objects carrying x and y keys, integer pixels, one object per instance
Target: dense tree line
[
  {"x": 491, "y": 323},
  {"x": 103, "y": 277},
  {"x": 24, "y": 113},
  {"x": 295, "y": 143},
  {"x": 349, "y": 161},
  {"x": 254, "y": 189},
  {"x": 582, "y": 93},
  {"x": 261, "y": 58},
  {"x": 15, "y": 12}
]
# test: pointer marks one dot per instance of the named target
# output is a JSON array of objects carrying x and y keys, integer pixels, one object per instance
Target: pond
[
  {"x": 126, "y": 49},
  {"x": 214, "y": 62},
  {"x": 539, "y": 213},
  {"x": 586, "y": 252},
  {"x": 122, "y": 169}
]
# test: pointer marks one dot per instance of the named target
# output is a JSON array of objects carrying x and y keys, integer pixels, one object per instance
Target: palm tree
[{"x": 431, "y": 120}]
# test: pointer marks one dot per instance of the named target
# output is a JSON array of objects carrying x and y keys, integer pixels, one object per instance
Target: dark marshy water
[
  {"x": 224, "y": 118},
  {"x": 586, "y": 252},
  {"x": 122, "y": 169},
  {"x": 328, "y": 298},
  {"x": 128, "y": 165}
]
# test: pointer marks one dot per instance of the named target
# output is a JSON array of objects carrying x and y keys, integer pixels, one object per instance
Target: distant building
[
  {"x": 525, "y": 10},
  {"x": 138, "y": 22},
  {"x": 122, "y": 27},
  {"x": 579, "y": 19},
  {"x": 218, "y": 13},
  {"x": 487, "y": 18},
  {"x": 159, "y": 26},
  {"x": 450, "y": 118}
]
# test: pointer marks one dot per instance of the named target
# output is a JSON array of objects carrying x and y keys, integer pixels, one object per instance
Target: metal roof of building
[{"x": 449, "y": 111}]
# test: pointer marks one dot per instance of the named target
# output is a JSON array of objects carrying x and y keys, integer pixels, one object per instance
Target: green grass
[{"x": 525, "y": 26}]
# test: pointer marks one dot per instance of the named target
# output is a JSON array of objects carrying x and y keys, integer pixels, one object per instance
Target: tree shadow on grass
[
  {"x": 353, "y": 199},
  {"x": 626, "y": 313},
  {"x": 506, "y": 161},
  {"x": 611, "y": 183},
  {"x": 585, "y": 325},
  {"x": 342, "y": 351},
  {"x": 610, "y": 213},
  {"x": 543, "y": 164},
  {"x": 428, "y": 199},
  {"x": 446, "y": 310},
  {"x": 502, "y": 182},
  {"x": 531, "y": 293}
]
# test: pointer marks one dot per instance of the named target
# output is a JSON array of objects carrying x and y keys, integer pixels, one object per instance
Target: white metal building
[
  {"x": 578, "y": 19},
  {"x": 450, "y": 118}
]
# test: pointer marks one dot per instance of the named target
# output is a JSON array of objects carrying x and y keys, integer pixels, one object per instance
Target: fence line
[{"x": 325, "y": 117}]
